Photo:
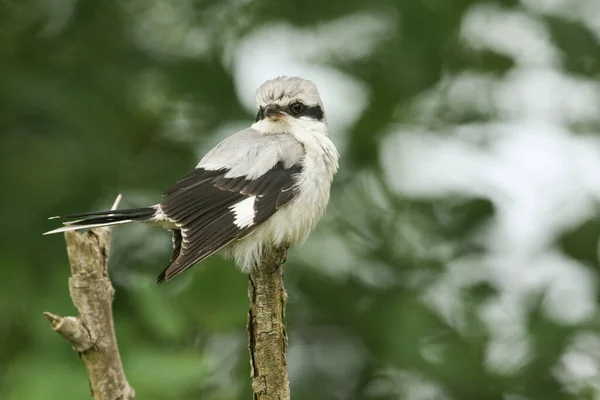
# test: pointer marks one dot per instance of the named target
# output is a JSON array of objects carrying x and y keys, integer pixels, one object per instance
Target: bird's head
[{"x": 287, "y": 100}]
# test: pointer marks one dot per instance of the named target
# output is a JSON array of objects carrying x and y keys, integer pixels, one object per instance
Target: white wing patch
[{"x": 244, "y": 212}]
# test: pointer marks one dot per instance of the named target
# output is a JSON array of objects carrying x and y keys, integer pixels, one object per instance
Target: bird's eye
[{"x": 297, "y": 108}]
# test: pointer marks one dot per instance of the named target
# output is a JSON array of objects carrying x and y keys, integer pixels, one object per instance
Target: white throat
[{"x": 291, "y": 125}]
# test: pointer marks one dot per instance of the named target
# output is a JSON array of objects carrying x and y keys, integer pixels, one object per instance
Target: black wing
[
  {"x": 203, "y": 205},
  {"x": 176, "y": 243}
]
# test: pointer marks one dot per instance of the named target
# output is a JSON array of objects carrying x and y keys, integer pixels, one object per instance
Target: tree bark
[
  {"x": 92, "y": 332},
  {"x": 267, "y": 336}
]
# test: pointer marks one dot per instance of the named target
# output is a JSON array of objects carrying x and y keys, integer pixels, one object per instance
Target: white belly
[{"x": 292, "y": 224}]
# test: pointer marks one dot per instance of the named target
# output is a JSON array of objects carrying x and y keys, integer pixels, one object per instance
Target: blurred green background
[{"x": 459, "y": 255}]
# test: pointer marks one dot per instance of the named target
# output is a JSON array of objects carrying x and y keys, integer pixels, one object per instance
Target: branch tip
[
  {"x": 54, "y": 319},
  {"x": 117, "y": 201}
]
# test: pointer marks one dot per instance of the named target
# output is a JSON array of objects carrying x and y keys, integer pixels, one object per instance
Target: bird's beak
[{"x": 273, "y": 112}]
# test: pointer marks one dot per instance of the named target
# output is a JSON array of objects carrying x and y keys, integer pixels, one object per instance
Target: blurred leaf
[
  {"x": 161, "y": 375},
  {"x": 581, "y": 243}
]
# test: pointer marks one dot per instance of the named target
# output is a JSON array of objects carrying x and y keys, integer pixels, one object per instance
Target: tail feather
[
  {"x": 104, "y": 213},
  {"x": 103, "y": 218},
  {"x": 89, "y": 226}
]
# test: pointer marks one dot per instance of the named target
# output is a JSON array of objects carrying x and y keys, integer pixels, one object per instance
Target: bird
[{"x": 263, "y": 186}]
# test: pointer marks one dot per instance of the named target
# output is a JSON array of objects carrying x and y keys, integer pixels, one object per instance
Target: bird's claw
[{"x": 281, "y": 260}]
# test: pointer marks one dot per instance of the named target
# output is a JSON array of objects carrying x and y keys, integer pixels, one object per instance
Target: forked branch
[{"x": 92, "y": 332}]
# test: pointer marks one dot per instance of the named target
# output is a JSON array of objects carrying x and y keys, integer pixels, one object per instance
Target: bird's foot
[{"x": 281, "y": 259}]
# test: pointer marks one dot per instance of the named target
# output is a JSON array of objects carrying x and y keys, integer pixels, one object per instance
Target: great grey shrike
[{"x": 262, "y": 186}]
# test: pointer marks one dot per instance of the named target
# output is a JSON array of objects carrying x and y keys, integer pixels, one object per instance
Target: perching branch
[
  {"x": 92, "y": 332},
  {"x": 267, "y": 336}
]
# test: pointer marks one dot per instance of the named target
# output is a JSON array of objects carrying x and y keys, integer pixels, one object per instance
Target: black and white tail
[{"x": 103, "y": 218}]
